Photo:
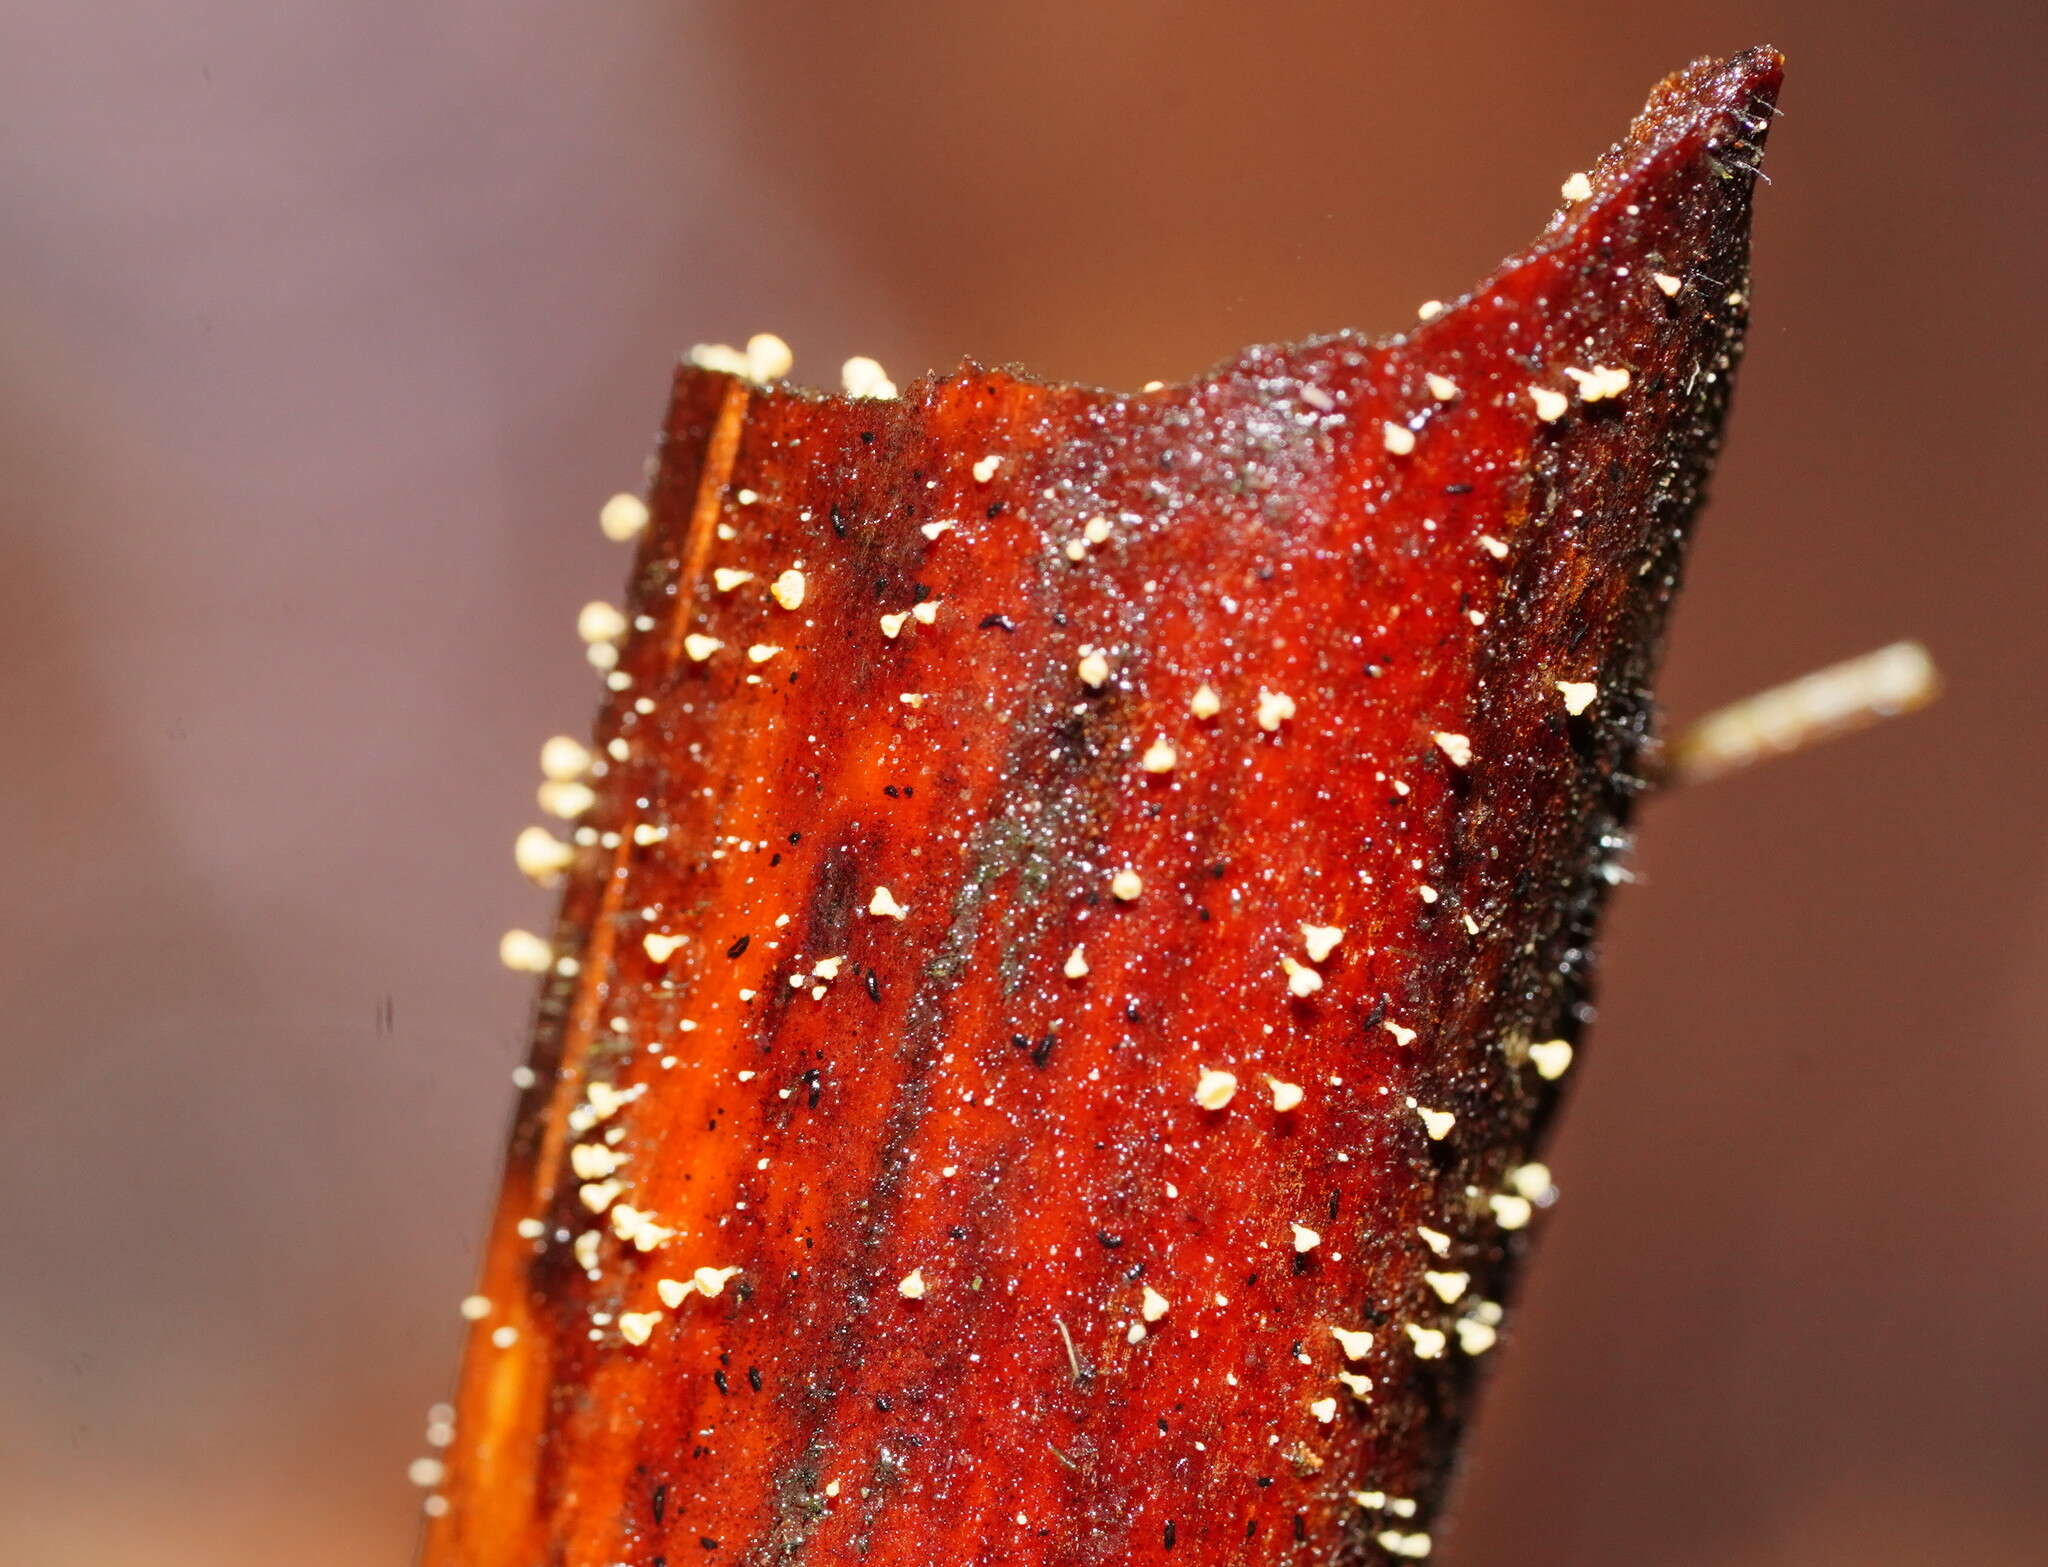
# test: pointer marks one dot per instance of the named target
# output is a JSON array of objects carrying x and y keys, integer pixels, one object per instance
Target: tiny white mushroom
[
  {"x": 1125, "y": 885},
  {"x": 1429, "y": 1342},
  {"x": 563, "y": 759},
  {"x": 1355, "y": 1342},
  {"x": 598, "y": 621},
  {"x": 1669, "y": 284},
  {"x": 1159, "y": 757},
  {"x": 711, "y": 1282},
  {"x": 1457, "y": 747},
  {"x": 1154, "y": 1306},
  {"x": 1397, "y": 438},
  {"x": 1577, "y": 188},
  {"x": 1578, "y": 695},
  {"x": 788, "y": 589},
  {"x": 1448, "y": 1286},
  {"x": 541, "y": 856},
  {"x": 700, "y": 647},
  {"x": 1076, "y": 966},
  {"x": 525, "y": 953},
  {"x": 768, "y": 357},
  {"x": 1550, "y": 405},
  {"x": 985, "y": 469},
  {"x": 1205, "y": 703},
  {"x": 1286, "y": 1096},
  {"x": 1215, "y": 1089},
  {"x": 1511, "y": 1212},
  {"x": 623, "y": 518},
  {"x": 1441, "y": 387},
  {"x": 861, "y": 376},
  {"x": 884, "y": 903},
  {"x": 1275, "y": 708},
  {"x": 1093, "y": 669},
  {"x": 911, "y": 1286},
  {"x": 1321, "y": 940},
  {"x": 1551, "y": 1058},
  {"x": 1437, "y": 1123},
  {"x": 1305, "y": 1239},
  {"x": 1302, "y": 980},
  {"x": 726, "y": 578},
  {"x": 636, "y": 1327},
  {"x": 1324, "y": 1409}
]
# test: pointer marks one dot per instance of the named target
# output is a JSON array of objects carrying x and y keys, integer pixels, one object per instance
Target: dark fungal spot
[
  {"x": 738, "y": 947},
  {"x": 659, "y": 1501},
  {"x": 874, "y": 987},
  {"x": 723, "y": 1385},
  {"x": 754, "y": 1378},
  {"x": 996, "y": 623},
  {"x": 1104, "y": 1238},
  {"x": 1168, "y": 1534}
]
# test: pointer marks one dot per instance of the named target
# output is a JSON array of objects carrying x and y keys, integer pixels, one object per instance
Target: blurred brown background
[{"x": 325, "y": 329}]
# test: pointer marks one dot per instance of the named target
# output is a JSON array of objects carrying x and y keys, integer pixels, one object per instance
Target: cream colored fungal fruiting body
[
  {"x": 1577, "y": 188},
  {"x": 623, "y": 518},
  {"x": 659, "y": 947},
  {"x": 1668, "y": 284},
  {"x": 1215, "y": 1089},
  {"x": 884, "y": 904},
  {"x": 1324, "y": 1409},
  {"x": 1551, "y": 1058},
  {"x": 563, "y": 760},
  {"x": 1428, "y": 1343},
  {"x": 861, "y": 376},
  {"x": 525, "y": 953},
  {"x": 598, "y": 621},
  {"x": 1274, "y": 709},
  {"x": 985, "y": 469},
  {"x": 1302, "y": 981},
  {"x": 788, "y": 589},
  {"x": 699, "y": 647},
  {"x": 911, "y": 1286},
  {"x": 768, "y": 358},
  {"x": 1441, "y": 387},
  {"x": 1159, "y": 757},
  {"x": 673, "y": 1292},
  {"x": 1437, "y": 1123},
  {"x": 541, "y": 856},
  {"x": 636, "y": 1327},
  {"x": 1126, "y": 885},
  {"x": 1578, "y": 695},
  {"x": 1397, "y": 438},
  {"x": 1413, "y": 1547},
  {"x": 1320, "y": 941},
  {"x": 1286, "y": 1096},
  {"x": 1076, "y": 966},
  {"x": 1601, "y": 382},
  {"x": 1355, "y": 1342},
  {"x": 1205, "y": 703},
  {"x": 1455, "y": 746},
  {"x": 1510, "y": 1212},
  {"x": 727, "y": 578},
  {"x": 1093, "y": 668},
  {"x": 711, "y": 1282},
  {"x": 1449, "y": 1286},
  {"x": 1305, "y": 1239},
  {"x": 1154, "y": 1305},
  {"x": 1550, "y": 405}
]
